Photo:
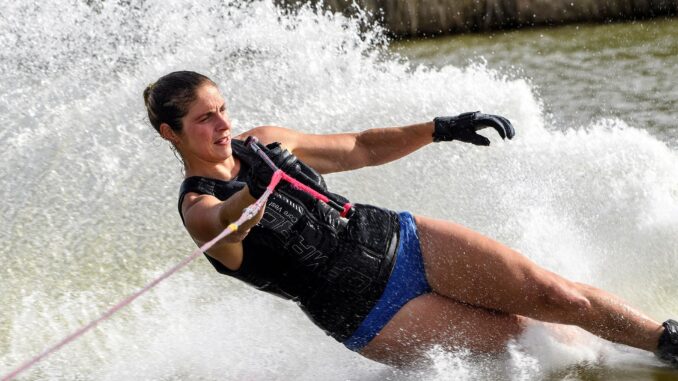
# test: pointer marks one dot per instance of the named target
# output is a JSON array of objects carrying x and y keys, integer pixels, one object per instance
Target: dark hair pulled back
[{"x": 167, "y": 100}]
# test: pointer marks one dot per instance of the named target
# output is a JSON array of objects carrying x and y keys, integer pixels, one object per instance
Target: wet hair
[{"x": 167, "y": 100}]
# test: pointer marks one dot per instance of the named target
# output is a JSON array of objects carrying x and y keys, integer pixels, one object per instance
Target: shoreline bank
[{"x": 416, "y": 18}]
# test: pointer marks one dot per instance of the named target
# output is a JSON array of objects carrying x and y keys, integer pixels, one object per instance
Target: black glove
[
  {"x": 463, "y": 127},
  {"x": 258, "y": 177},
  {"x": 282, "y": 158},
  {"x": 260, "y": 173}
]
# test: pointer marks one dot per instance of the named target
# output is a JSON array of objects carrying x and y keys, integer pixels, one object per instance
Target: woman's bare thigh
[
  {"x": 467, "y": 266},
  {"x": 432, "y": 319}
]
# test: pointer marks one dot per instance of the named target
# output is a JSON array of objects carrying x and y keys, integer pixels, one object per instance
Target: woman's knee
[{"x": 561, "y": 299}]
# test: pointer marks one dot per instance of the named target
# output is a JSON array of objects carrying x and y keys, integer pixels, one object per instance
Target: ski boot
[{"x": 667, "y": 350}]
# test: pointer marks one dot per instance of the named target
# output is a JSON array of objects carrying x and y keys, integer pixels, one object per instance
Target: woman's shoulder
[
  {"x": 272, "y": 134},
  {"x": 201, "y": 185}
]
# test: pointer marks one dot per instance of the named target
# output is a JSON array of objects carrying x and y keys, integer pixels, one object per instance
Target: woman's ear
[{"x": 168, "y": 134}]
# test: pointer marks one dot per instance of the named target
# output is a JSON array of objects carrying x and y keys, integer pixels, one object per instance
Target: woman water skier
[{"x": 387, "y": 285}]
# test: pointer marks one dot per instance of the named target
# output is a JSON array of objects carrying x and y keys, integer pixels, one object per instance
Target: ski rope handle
[{"x": 343, "y": 210}]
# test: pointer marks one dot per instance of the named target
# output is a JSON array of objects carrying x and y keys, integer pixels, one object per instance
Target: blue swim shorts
[{"x": 407, "y": 281}]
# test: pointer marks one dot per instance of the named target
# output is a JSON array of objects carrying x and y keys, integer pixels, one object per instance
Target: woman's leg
[
  {"x": 431, "y": 319},
  {"x": 466, "y": 266}
]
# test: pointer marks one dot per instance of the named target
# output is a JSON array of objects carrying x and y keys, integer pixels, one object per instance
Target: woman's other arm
[{"x": 205, "y": 217}]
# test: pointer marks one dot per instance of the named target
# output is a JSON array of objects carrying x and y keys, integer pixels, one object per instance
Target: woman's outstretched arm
[{"x": 328, "y": 153}]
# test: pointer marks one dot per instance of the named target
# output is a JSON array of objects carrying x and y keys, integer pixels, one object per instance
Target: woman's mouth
[{"x": 223, "y": 141}]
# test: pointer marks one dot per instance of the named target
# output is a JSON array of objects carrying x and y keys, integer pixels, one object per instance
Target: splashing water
[{"x": 89, "y": 191}]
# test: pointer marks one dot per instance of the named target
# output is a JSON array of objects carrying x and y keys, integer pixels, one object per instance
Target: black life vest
[{"x": 334, "y": 268}]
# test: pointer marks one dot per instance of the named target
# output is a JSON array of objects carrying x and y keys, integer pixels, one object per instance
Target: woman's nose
[{"x": 224, "y": 122}]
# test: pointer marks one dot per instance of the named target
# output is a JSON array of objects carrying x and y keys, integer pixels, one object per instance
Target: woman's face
[{"x": 206, "y": 133}]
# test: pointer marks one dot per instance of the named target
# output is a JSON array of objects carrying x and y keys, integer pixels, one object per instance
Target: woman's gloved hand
[
  {"x": 260, "y": 173},
  {"x": 258, "y": 177},
  {"x": 282, "y": 158},
  {"x": 463, "y": 127}
]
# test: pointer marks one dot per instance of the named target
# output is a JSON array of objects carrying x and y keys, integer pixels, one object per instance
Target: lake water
[{"x": 581, "y": 72}]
